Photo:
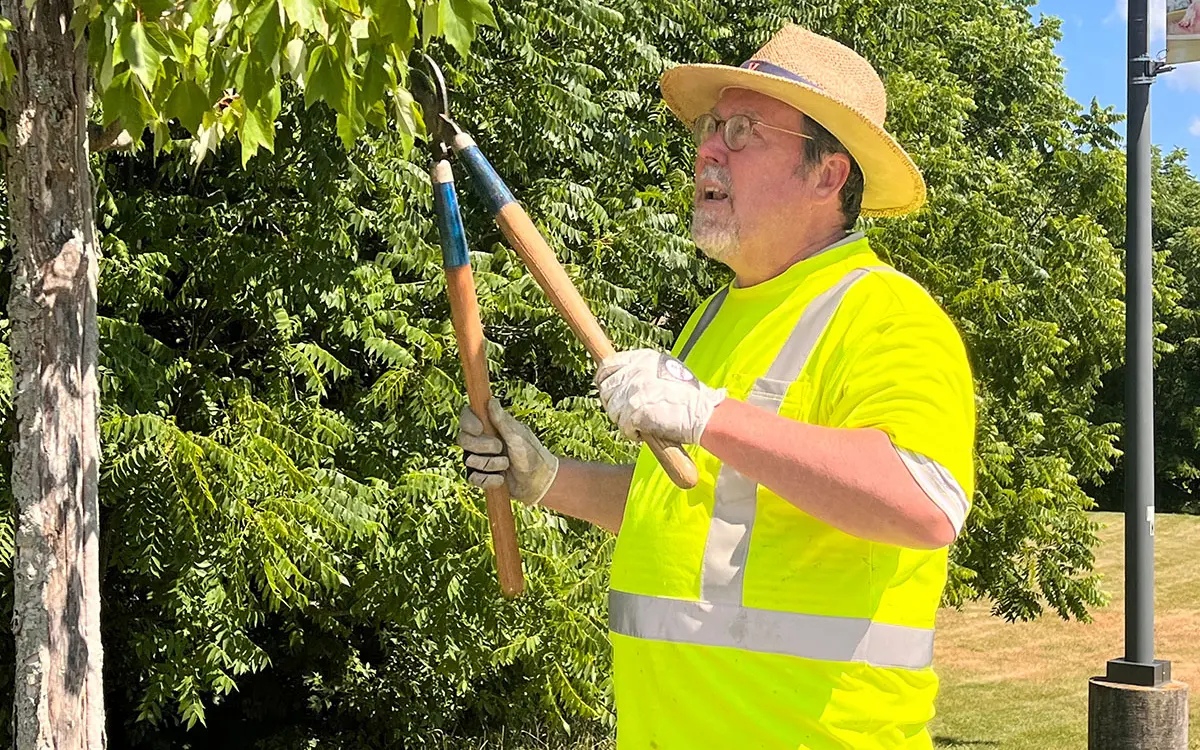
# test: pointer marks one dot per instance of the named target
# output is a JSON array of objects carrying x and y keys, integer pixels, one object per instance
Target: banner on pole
[{"x": 1183, "y": 31}]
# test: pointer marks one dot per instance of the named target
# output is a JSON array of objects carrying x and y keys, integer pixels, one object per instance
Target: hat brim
[{"x": 892, "y": 184}]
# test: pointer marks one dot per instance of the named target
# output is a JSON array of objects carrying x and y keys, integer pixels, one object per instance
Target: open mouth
[{"x": 713, "y": 194}]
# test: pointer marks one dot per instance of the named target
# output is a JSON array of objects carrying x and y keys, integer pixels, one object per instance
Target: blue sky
[{"x": 1093, "y": 52}]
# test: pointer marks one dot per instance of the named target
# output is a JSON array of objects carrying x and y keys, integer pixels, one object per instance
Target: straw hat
[{"x": 826, "y": 81}]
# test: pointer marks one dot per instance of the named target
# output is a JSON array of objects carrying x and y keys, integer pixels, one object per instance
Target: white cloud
[
  {"x": 1194, "y": 128},
  {"x": 1185, "y": 77}
]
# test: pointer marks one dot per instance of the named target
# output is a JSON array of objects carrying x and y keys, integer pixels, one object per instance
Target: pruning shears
[
  {"x": 464, "y": 310},
  {"x": 446, "y": 138}
]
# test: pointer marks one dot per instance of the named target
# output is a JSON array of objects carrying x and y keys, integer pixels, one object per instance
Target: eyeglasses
[{"x": 735, "y": 131}]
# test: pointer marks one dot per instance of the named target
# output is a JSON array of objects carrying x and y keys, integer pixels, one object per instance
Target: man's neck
[{"x": 772, "y": 266}]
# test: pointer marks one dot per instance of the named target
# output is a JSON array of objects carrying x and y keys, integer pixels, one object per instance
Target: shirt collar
[
  {"x": 851, "y": 244},
  {"x": 850, "y": 237}
]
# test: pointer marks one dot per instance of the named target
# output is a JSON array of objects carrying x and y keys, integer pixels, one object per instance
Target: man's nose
[{"x": 713, "y": 150}]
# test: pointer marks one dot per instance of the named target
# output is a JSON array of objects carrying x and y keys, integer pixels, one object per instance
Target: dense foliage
[
  {"x": 290, "y": 554},
  {"x": 1176, "y": 240},
  {"x": 216, "y": 68}
]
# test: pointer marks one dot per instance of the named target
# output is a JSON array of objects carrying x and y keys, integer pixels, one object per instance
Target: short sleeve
[{"x": 901, "y": 368}]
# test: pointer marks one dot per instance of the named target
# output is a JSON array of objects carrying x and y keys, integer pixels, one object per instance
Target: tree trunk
[{"x": 56, "y": 620}]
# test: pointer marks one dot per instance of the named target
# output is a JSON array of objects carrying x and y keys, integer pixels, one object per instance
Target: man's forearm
[
  {"x": 591, "y": 491},
  {"x": 851, "y": 479}
]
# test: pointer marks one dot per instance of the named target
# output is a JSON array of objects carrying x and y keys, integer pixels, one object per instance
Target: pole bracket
[
  {"x": 1143, "y": 69},
  {"x": 1137, "y": 673}
]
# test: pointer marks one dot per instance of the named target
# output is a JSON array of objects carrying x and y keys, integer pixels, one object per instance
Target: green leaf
[
  {"x": 180, "y": 45},
  {"x": 458, "y": 31},
  {"x": 268, "y": 39},
  {"x": 273, "y": 103},
  {"x": 459, "y": 19},
  {"x": 395, "y": 19},
  {"x": 200, "y": 44},
  {"x": 201, "y": 12},
  {"x": 481, "y": 12},
  {"x": 306, "y": 13},
  {"x": 218, "y": 80},
  {"x": 375, "y": 77},
  {"x": 258, "y": 80},
  {"x": 264, "y": 13},
  {"x": 144, "y": 60},
  {"x": 326, "y": 77},
  {"x": 238, "y": 79},
  {"x": 154, "y": 8},
  {"x": 351, "y": 122},
  {"x": 160, "y": 40},
  {"x": 431, "y": 21},
  {"x": 161, "y": 133},
  {"x": 406, "y": 116},
  {"x": 187, "y": 103},
  {"x": 126, "y": 100},
  {"x": 376, "y": 115},
  {"x": 79, "y": 23},
  {"x": 256, "y": 131},
  {"x": 295, "y": 56},
  {"x": 113, "y": 98},
  {"x": 112, "y": 59}
]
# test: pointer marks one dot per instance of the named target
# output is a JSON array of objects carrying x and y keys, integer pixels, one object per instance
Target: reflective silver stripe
[
  {"x": 939, "y": 484},
  {"x": 728, "y": 542},
  {"x": 766, "y": 631},
  {"x": 790, "y": 361},
  {"x": 721, "y": 619},
  {"x": 710, "y": 312},
  {"x": 736, "y": 497}
]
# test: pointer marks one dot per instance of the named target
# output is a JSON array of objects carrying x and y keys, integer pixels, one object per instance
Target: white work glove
[
  {"x": 648, "y": 392},
  {"x": 516, "y": 456}
]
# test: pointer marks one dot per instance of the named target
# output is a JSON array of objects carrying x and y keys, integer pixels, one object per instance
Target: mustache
[{"x": 717, "y": 174}]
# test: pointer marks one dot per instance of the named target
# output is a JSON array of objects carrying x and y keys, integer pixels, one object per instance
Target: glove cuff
[
  {"x": 712, "y": 399},
  {"x": 552, "y": 474}
]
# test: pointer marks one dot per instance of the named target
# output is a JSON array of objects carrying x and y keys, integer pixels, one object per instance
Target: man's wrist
[{"x": 718, "y": 423}]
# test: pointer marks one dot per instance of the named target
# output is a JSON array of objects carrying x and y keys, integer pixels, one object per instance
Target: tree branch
[{"x": 107, "y": 139}]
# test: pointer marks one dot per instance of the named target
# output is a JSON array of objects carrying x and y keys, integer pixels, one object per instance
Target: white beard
[{"x": 718, "y": 238}]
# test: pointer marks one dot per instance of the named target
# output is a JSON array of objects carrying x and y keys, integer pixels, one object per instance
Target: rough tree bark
[{"x": 56, "y": 621}]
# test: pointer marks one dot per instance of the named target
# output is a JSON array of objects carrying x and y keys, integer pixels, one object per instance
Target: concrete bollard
[{"x": 1131, "y": 717}]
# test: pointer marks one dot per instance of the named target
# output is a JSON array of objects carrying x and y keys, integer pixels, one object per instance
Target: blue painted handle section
[
  {"x": 451, "y": 233},
  {"x": 495, "y": 192}
]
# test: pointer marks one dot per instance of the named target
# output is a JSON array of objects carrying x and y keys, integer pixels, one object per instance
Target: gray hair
[{"x": 823, "y": 144}]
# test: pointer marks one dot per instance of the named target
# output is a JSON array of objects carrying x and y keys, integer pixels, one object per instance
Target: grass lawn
[{"x": 1021, "y": 686}]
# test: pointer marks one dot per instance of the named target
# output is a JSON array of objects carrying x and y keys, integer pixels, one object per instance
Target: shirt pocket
[{"x": 790, "y": 399}]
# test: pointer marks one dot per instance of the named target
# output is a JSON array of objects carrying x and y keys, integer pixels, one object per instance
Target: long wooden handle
[
  {"x": 468, "y": 331},
  {"x": 550, "y": 275},
  {"x": 464, "y": 309},
  {"x": 528, "y": 242}
]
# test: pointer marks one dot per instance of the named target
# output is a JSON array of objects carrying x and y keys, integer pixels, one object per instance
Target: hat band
[{"x": 762, "y": 66}]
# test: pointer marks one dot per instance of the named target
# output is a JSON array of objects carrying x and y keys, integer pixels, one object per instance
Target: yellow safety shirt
[{"x": 738, "y": 620}]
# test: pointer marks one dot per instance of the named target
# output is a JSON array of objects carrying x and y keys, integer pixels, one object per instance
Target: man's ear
[{"x": 833, "y": 172}]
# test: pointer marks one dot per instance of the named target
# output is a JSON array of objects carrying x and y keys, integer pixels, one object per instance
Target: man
[{"x": 788, "y": 600}]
